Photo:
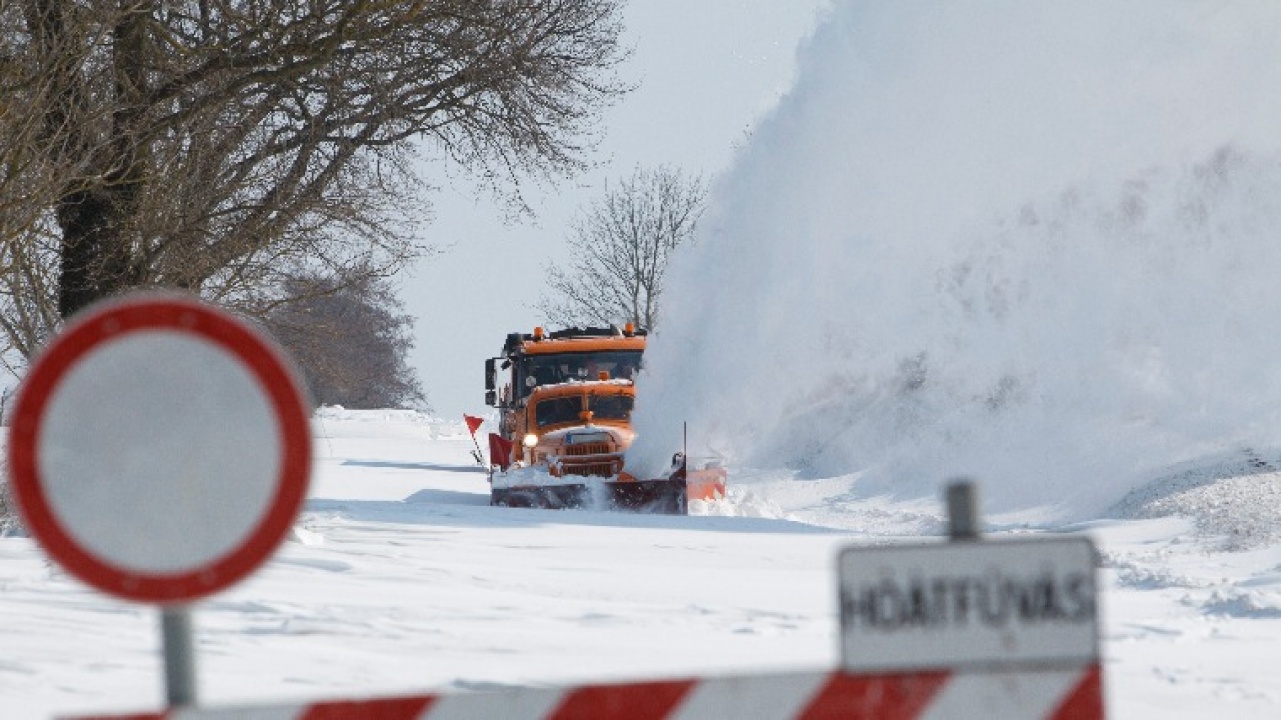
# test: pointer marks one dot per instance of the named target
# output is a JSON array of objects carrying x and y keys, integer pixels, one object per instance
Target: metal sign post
[
  {"x": 962, "y": 510},
  {"x": 180, "y": 656}
]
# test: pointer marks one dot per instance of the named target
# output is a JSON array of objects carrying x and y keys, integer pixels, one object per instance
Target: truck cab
[{"x": 565, "y": 398}]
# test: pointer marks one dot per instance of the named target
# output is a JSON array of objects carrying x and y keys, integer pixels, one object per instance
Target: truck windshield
[
  {"x": 555, "y": 411},
  {"x": 566, "y": 367}
]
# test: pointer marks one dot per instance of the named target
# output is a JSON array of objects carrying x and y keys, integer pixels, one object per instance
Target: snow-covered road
[{"x": 400, "y": 578}]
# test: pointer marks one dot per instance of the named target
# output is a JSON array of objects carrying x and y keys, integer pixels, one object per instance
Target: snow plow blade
[
  {"x": 666, "y": 496},
  {"x": 669, "y": 495}
]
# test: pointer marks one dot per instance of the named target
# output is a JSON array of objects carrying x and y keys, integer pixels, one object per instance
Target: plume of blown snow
[{"x": 1032, "y": 243}]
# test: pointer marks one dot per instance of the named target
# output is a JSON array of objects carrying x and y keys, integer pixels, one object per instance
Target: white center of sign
[{"x": 139, "y": 445}]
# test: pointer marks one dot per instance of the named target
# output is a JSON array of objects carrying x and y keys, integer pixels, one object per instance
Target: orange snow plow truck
[{"x": 565, "y": 403}]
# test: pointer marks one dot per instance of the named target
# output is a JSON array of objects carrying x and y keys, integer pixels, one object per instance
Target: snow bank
[
  {"x": 1234, "y": 500},
  {"x": 1031, "y": 243},
  {"x": 437, "y": 427}
]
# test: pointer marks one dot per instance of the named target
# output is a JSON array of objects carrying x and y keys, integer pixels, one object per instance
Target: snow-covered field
[
  {"x": 1034, "y": 242},
  {"x": 399, "y": 578}
]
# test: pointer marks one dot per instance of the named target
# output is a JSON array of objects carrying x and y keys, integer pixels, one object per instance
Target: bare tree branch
[{"x": 620, "y": 248}]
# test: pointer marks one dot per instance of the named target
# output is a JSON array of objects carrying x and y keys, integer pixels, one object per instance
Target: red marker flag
[
  {"x": 473, "y": 423},
  {"x": 500, "y": 451}
]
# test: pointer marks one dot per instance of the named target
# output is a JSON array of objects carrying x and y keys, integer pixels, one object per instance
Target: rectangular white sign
[{"x": 981, "y": 603}]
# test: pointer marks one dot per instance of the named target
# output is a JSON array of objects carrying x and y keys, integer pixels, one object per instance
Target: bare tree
[
  {"x": 228, "y": 146},
  {"x": 620, "y": 248},
  {"x": 350, "y": 340}
]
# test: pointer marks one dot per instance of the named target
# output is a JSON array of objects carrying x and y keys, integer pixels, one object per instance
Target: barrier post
[{"x": 962, "y": 510}]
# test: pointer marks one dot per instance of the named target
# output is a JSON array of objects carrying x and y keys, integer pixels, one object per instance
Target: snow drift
[{"x": 1034, "y": 244}]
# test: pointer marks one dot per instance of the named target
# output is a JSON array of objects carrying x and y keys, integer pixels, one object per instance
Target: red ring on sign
[{"x": 109, "y": 321}]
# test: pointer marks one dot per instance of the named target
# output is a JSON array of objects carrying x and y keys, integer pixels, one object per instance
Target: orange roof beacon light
[
  {"x": 538, "y": 334},
  {"x": 629, "y": 329}
]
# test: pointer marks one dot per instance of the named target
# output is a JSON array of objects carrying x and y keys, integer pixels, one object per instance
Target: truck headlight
[{"x": 530, "y": 440}]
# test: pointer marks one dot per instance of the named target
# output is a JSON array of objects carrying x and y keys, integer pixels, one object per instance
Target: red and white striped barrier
[{"x": 1045, "y": 694}]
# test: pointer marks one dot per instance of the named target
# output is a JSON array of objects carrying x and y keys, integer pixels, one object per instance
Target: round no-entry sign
[{"x": 159, "y": 449}]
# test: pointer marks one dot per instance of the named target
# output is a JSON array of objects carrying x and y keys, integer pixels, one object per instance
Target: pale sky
[{"x": 706, "y": 70}]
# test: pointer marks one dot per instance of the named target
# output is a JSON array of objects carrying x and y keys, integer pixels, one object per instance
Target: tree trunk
[
  {"x": 94, "y": 262},
  {"x": 95, "y": 221}
]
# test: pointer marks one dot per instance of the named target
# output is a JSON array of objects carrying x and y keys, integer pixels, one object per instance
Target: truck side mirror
[
  {"x": 490, "y": 376},
  {"x": 491, "y": 398}
]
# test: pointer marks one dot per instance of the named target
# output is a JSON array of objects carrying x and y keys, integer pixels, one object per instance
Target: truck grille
[
  {"x": 606, "y": 468},
  {"x": 599, "y": 459},
  {"x": 588, "y": 449}
]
